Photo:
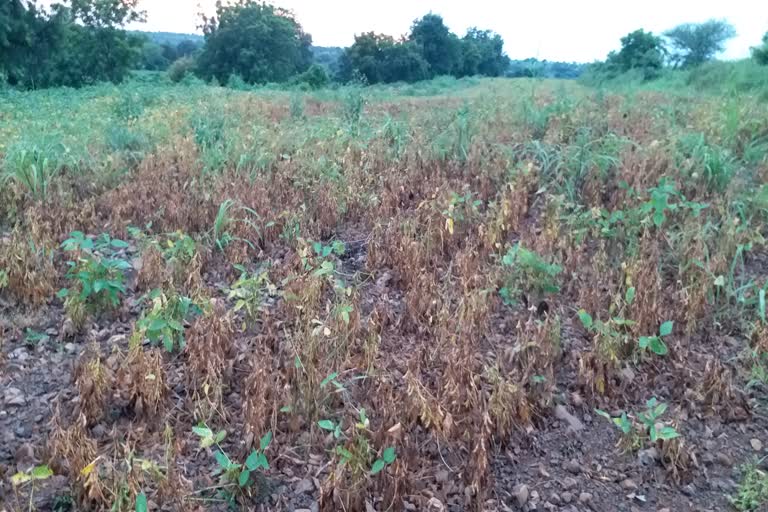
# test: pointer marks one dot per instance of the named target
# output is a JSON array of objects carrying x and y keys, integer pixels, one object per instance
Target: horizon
[{"x": 531, "y": 32}]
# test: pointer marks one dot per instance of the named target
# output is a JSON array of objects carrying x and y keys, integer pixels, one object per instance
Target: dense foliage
[
  {"x": 259, "y": 42},
  {"x": 693, "y": 44},
  {"x": 72, "y": 43},
  {"x": 161, "y": 49},
  {"x": 760, "y": 53},
  {"x": 429, "y": 50}
]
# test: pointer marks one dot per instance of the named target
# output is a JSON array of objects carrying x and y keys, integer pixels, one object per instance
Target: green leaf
[
  {"x": 263, "y": 462},
  {"x": 245, "y": 475},
  {"x": 157, "y": 324},
  {"x": 167, "y": 342},
  {"x": 252, "y": 462},
  {"x": 666, "y": 328},
  {"x": 644, "y": 342},
  {"x": 119, "y": 244},
  {"x": 326, "y": 425},
  {"x": 761, "y": 305},
  {"x": 328, "y": 379},
  {"x": 63, "y": 293},
  {"x": 629, "y": 297},
  {"x": 602, "y": 413},
  {"x": 658, "y": 346},
  {"x": 668, "y": 433},
  {"x": 141, "y": 503},
  {"x": 378, "y": 465},
  {"x": 624, "y": 424},
  {"x": 586, "y": 319},
  {"x": 264, "y": 442},
  {"x": 202, "y": 431},
  {"x": 41, "y": 472},
  {"x": 222, "y": 459},
  {"x": 389, "y": 455},
  {"x": 220, "y": 436},
  {"x": 20, "y": 479}
]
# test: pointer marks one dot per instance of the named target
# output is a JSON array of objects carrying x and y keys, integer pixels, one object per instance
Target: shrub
[
  {"x": 315, "y": 77},
  {"x": 181, "y": 68}
]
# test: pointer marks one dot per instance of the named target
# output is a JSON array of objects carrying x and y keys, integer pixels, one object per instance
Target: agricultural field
[{"x": 476, "y": 294}]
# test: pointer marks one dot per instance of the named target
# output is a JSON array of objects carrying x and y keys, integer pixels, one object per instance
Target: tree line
[
  {"x": 78, "y": 42},
  {"x": 682, "y": 47}
]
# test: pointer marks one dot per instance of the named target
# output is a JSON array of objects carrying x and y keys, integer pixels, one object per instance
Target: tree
[
  {"x": 440, "y": 48},
  {"x": 379, "y": 58},
  {"x": 106, "y": 13},
  {"x": 695, "y": 43},
  {"x": 259, "y": 42},
  {"x": 640, "y": 50},
  {"x": 483, "y": 54},
  {"x": 760, "y": 53},
  {"x": 72, "y": 43}
]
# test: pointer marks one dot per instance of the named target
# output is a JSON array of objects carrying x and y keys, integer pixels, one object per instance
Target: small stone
[
  {"x": 689, "y": 490},
  {"x": 70, "y": 348},
  {"x": 304, "y": 486},
  {"x": 555, "y": 499},
  {"x": 20, "y": 354},
  {"x": 629, "y": 485},
  {"x": 521, "y": 494},
  {"x": 68, "y": 329},
  {"x": 442, "y": 476},
  {"x": 757, "y": 445},
  {"x": 567, "y": 497},
  {"x": 648, "y": 457},
  {"x": 569, "y": 483},
  {"x": 573, "y": 466},
  {"x": 723, "y": 459},
  {"x": 117, "y": 339},
  {"x": 574, "y": 423},
  {"x": 25, "y": 453},
  {"x": 585, "y": 498},
  {"x": 14, "y": 396},
  {"x": 665, "y": 509},
  {"x": 627, "y": 375}
]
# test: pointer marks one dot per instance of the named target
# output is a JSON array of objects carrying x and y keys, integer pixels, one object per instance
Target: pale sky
[{"x": 568, "y": 30}]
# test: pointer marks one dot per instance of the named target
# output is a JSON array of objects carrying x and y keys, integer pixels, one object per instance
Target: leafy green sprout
[
  {"x": 164, "y": 322},
  {"x": 656, "y": 343},
  {"x": 233, "y": 472},
  {"x": 32, "y": 477},
  {"x": 648, "y": 418},
  {"x": 249, "y": 290},
  {"x": 388, "y": 456},
  {"x": 752, "y": 493},
  {"x": 98, "y": 271},
  {"x": 224, "y": 222},
  {"x": 654, "y": 410},
  {"x": 528, "y": 270}
]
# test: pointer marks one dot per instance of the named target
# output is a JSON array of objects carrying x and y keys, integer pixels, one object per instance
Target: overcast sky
[{"x": 569, "y": 30}]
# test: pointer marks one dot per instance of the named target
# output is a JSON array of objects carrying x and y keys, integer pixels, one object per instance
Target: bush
[
  {"x": 237, "y": 83},
  {"x": 315, "y": 77},
  {"x": 181, "y": 68},
  {"x": 760, "y": 53}
]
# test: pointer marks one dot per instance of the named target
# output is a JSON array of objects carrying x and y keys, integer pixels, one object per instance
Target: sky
[{"x": 566, "y": 30}]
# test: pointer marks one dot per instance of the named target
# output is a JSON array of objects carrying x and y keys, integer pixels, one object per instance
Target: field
[{"x": 484, "y": 295}]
